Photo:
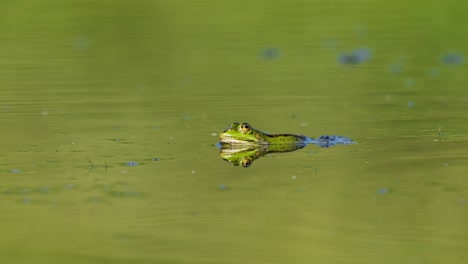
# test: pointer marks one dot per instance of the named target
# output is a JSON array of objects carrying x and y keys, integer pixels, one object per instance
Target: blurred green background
[{"x": 109, "y": 111}]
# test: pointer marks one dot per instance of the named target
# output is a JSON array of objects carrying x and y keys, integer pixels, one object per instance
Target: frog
[
  {"x": 241, "y": 144},
  {"x": 244, "y": 133}
]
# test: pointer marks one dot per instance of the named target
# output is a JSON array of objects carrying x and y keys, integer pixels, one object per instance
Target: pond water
[{"x": 110, "y": 112}]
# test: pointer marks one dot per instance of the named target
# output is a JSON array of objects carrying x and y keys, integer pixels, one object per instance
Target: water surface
[{"x": 110, "y": 113}]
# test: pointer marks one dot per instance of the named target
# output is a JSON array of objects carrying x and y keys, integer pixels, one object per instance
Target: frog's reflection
[{"x": 244, "y": 155}]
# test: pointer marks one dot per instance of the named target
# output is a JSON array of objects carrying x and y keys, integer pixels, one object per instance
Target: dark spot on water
[
  {"x": 132, "y": 163},
  {"x": 271, "y": 53},
  {"x": 453, "y": 58},
  {"x": 358, "y": 56},
  {"x": 363, "y": 54},
  {"x": 383, "y": 191},
  {"x": 15, "y": 171},
  {"x": 347, "y": 59}
]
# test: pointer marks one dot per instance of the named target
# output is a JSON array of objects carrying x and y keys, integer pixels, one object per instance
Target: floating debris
[
  {"x": 358, "y": 56},
  {"x": 271, "y": 53},
  {"x": 383, "y": 191},
  {"x": 132, "y": 163},
  {"x": 453, "y": 58}
]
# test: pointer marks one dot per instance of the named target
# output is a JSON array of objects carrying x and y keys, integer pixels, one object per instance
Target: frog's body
[
  {"x": 241, "y": 144},
  {"x": 243, "y": 133}
]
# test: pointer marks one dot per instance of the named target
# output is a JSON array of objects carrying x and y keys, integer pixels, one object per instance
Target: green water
[{"x": 109, "y": 112}]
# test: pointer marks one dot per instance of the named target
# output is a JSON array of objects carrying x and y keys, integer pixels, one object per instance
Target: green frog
[
  {"x": 243, "y": 133},
  {"x": 241, "y": 144}
]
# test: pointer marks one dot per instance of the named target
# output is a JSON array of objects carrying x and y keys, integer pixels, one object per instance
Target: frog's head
[{"x": 243, "y": 133}]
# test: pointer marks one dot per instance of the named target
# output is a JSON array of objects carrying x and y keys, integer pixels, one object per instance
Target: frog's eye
[
  {"x": 246, "y": 162},
  {"x": 245, "y": 127}
]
